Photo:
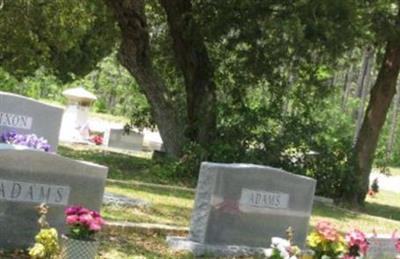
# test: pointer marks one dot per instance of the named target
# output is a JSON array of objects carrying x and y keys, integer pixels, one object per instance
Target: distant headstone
[
  {"x": 381, "y": 246},
  {"x": 118, "y": 138},
  {"x": 113, "y": 199},
  {"x": 239, "y": 207},
  {"x": 28, "y": 116},
  {"x": 29, "y": 177}
]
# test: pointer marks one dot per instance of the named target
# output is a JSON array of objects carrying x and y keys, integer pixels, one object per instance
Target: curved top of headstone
[
  {"x": 79, "y": 93},
  {"x": 29, "y": 160},
  {"x": 28, "y": 116},
  {"x": 239, "y": 167}
]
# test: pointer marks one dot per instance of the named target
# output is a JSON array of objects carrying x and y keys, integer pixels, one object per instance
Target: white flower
[
  {"x": 277, "y": 241},
  {"x": 268, "y": 252}
]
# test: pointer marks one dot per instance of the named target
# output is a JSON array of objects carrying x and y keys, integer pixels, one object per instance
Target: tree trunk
[
  {"x": 134, "y": 54},
  {"x": 363, "y": 89},
  {"x": 393, "y": 126},
  {"x": 192, "y": 57},
  {"x": 380, "y": 99}
]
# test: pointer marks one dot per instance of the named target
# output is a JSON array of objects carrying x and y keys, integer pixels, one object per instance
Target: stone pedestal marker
[{"x": 239, "y": 207}]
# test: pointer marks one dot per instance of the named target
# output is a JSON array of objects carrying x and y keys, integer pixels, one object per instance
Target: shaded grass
[
  {"x": 171, "y": 207},
  {"x": 128, "y": 165}
]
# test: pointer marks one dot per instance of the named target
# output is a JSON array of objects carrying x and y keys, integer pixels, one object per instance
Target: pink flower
[
  {"x": 72, "y": 210},
  {"x": 327, "y": 231},
  {"x": 357, "y": 239},
  {"x": 397, "y": 245},
  {"x": 86, "y": 219},
  {"x": 94, "y": 226},
  {"x": 72, "y": 219}
]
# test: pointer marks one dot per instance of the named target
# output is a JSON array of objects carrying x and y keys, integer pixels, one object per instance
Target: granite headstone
[
  {"x": 28, "y": 116},
  {"x": 242, "y": 206},
  {"x": 30, "y": 177},
  {"x": 118, "y": 138},
  {"x": 381, "y": 246}
]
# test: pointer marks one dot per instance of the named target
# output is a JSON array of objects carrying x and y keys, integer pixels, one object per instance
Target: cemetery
[{"x": 199, "y": 129}]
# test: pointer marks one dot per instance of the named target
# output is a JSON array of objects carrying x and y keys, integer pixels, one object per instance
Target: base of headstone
[{"x": 199, "y": 249}]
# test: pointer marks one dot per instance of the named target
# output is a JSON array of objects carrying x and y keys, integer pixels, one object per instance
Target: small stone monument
[
  {"x": 28, "y": 116},
  {"x": 240, "y": 207},
  {"x": 75, "y": 125},
  {"x": 381, "y": 246},
  {"x": 124, "y": 139}
]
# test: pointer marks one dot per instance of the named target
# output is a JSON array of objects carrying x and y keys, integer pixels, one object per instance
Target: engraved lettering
[
  {"x": 30, "y": 193},
  {"x": 16, "y": 191},
  {"x": 2, "y": 191},
  {"x": 59, "y": 194},
  {"x": 33, "y": 192},
  {"x": 263, "y": 199},
  {"x": 44, "y": 196}
]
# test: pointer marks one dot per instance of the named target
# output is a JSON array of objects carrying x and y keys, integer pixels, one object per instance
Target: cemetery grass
[{"x": 138, "y": 176}]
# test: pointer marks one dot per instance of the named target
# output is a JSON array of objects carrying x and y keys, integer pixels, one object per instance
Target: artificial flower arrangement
[
  {"x": 83, "y": 225},
  {"x": 96, "y": 139},
  {"x": 326, "y": 241},
  {"x": 28, "y": 140}
]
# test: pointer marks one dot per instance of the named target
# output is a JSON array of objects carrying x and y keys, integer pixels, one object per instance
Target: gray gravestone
[
  {"x": 241, "y": 206},
  {"x": 119, "y": 139},
  {"x": 30, "y": 177},
  {"x": 381, "y": 246},
  {"x": 28, "y": 116}
]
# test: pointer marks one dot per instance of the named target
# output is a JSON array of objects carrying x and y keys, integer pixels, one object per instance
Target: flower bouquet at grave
[
  {"x": 97, "y": 139},
  {"x": 29, "y": 140},
  {"x": 357, "y": 245},
  {"x": 326, "y": 242},
  {"x": 83, "y": 224}
]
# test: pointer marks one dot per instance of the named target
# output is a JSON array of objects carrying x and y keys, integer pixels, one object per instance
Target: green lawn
[{"x": 137, "y": 176}]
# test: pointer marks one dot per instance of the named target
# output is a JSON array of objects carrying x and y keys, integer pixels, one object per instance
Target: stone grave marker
[
  {"x": 28, "y": 116},
  {"x": 381, "y": 246},
  {"x": 240, "y": 207},
  {"x": 117, "y": 138},
  {"x": 30, "y": 177}
]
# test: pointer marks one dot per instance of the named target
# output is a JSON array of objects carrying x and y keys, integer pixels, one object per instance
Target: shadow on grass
[
  {"x": 127, "y": 187},
  {"x": 333, "y": 212},
  {"x": 382, "y": 210},
  {"x": 129, "y": 167}
]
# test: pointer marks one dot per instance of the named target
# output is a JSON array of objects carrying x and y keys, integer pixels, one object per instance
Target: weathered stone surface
[
  {"x": 112, "y": 199},
  {"x": 29, "y": 177},
  {"x": 28, "y": 116},
  {"x": 244, "y": 205},
  {"x": 117, "y": 138},
  {"x": 381, "y": 246}
]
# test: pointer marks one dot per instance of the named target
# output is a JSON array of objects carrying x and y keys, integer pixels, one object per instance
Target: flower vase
[{"x": 79, "y": 249}]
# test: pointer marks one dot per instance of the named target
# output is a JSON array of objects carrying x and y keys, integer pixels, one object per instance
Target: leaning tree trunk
[
  {"x": 134, "y": 54},
  {"x": 394, "y": 121},
  {"x": 380, "y": 99},
  {"x": 192, "y": 57}
]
